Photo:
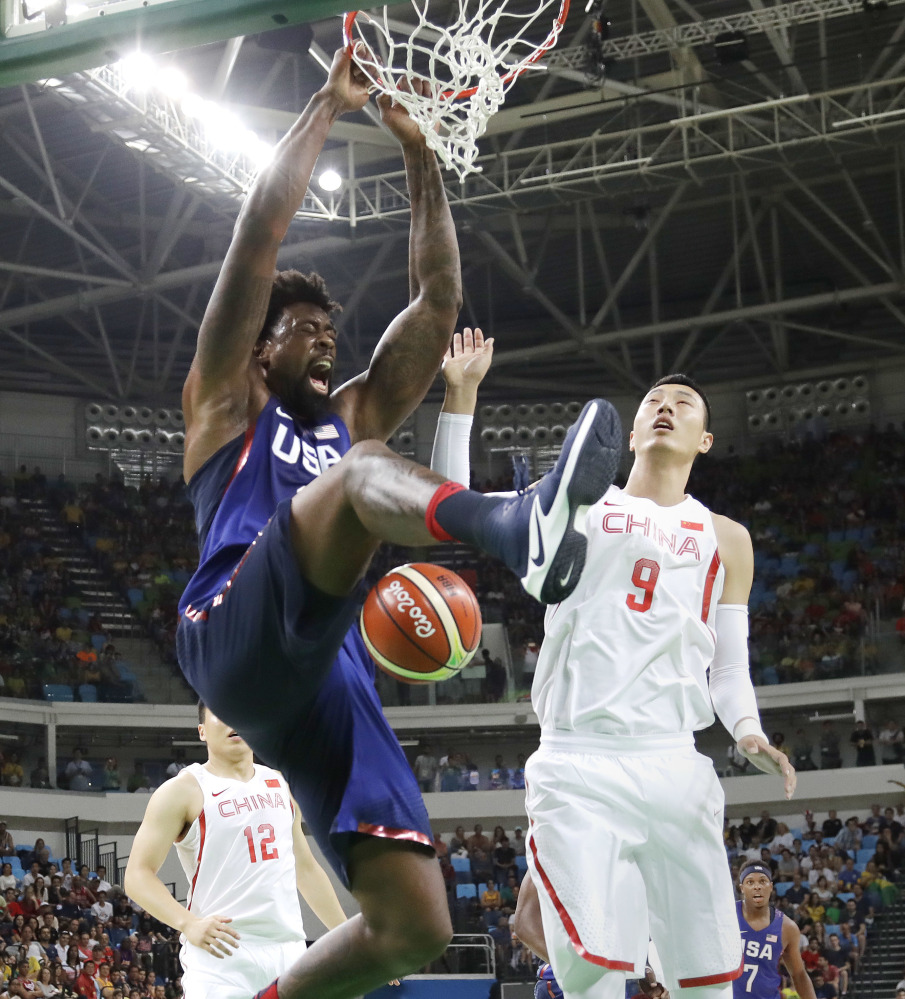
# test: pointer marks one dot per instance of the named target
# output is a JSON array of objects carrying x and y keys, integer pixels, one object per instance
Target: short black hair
[
  {"x": 202, "y": 707},
  {"x": 290, "y": 287},
  {"x": 677, "y": 378}
]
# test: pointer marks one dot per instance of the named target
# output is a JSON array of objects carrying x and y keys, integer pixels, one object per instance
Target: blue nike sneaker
[{"x": 547, "y": 522}]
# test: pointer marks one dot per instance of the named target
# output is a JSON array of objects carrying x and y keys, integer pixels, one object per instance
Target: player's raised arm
[
  {"x": 409, "y": 353},
  {"x": 730, "y": 678},
  {"x": 464, "y": 366},
  {"x": 312, "y": 881},
  {"x": 170, "y": 811},
  {"x": 216, "y": 391}
]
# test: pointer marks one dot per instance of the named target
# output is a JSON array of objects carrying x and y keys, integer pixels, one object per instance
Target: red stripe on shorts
[
  {"x": 384, "y": 832},
  {"x": 580, "y": 949},
  {"x": 726, "y": 976}
]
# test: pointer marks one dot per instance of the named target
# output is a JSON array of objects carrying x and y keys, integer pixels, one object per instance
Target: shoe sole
[{"x": 583, "y": 483}]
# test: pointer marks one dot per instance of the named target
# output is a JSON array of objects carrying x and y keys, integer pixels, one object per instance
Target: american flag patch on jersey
[
  {"x": 272, "y": 782},
  {"x": 771, "y": 938},
  {"x": 326, "y": 432},
  {"x": 690, "y": 525}
]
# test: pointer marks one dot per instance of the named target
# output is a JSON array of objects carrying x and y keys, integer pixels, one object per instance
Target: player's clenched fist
[{"x": 213, "y": 934}]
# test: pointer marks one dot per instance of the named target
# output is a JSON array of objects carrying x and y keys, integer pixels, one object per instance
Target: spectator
[
  {"x": 491, "y": 900},
  {"x": 830, "y": 753},
  {"x": 102, "y": 910},
  {"x": 787, "y": 866},
  {"x": 7, "y": 844},
  {"x": 110, "y": 779},
  {"x": 138, "y": 782},
  {"x": 7, "y": 878},
  {"x": 85, "y": 980},
  {"x": 499, "y": 775},
  {"x": 862, "y": 738},
  {"x": 177, "y": 764},
  {"x": 426, "y": 769},
  {"x": 478, "y": 840},
  {"x": 458, "y": 844},
  {"x": 12, "y": 774},
  {"x": 517, "y": 774},
  {"x": 802, "y": 752},
  {"x": 40, "y": 775},
  {"x": 503, "y": 861},
  {"x": 892, "y": 742},
  {"x": 832, "y": 825},
  {"x": 849, "y": 840},
  {"x": 481, "y": 865},
  {"x": 518, "y": 842},
  {"x": 766, "y": 828},
  {"x": 78, "y": 771}
]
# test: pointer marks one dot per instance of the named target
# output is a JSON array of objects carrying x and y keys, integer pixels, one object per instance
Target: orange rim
[{"x": 542, "y": 49}]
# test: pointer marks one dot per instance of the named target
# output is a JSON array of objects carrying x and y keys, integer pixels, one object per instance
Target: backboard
[{"x": 47, "y": 38}]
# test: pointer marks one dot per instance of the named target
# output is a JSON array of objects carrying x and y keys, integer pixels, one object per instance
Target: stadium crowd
[
  {"x": 822, "y": 513},
  {"x": 68, "y": 931}
]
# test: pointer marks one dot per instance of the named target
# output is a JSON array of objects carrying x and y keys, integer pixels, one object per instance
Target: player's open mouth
[
  {"x": 663, "y": 424},
  {"x": 319, "y": 376},
  {"x": 234, "y": 735}
]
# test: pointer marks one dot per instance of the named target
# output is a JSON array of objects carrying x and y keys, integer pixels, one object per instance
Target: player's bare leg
[
  {"x": 372, "y": 495},
  {"x": 403, "y": 924},
  {"x": 527, "y": 923}
]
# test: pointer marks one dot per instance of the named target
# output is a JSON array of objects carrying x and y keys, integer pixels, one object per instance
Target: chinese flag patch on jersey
[
  {"x": 690, "y": 525},
  {"x": 272, "y": 782}
]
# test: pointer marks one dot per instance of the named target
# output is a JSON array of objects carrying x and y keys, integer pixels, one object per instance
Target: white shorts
[
  {"x": 250, "y": 968},
  {"x": 626, "y": 844}
]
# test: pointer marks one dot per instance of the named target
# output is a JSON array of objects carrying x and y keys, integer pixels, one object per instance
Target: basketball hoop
[{"x": 473, "y": 60}]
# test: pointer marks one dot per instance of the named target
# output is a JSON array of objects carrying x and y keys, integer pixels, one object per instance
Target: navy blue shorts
[{"x": 285, "y": 665}]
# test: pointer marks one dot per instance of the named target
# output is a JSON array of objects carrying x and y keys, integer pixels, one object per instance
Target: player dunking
[
  {"x": 293, "y": 490},
  {"x": 768, "y": 937},
  {"x": 239, "y": 838}
]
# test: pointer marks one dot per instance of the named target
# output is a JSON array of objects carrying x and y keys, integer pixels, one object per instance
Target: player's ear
[
  {"x": 201, "y": 733},
  {"x": 631, "y": 440},
  {"x": 706, "y": 443}
]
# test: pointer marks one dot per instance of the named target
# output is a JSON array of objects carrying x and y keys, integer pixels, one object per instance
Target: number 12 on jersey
[
  {"x": 644, "y": 576},
  {"x": 266, "y": 843}
]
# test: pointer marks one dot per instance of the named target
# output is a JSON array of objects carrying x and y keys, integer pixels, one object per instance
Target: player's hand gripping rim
[
  {"x": 214, "y": 935},
  {"x": 769, "y": 759}
]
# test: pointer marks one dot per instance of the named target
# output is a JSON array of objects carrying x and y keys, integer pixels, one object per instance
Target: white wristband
[{"x": 748, "y": 726}]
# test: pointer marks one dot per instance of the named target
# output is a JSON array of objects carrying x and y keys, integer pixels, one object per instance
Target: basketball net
[{"x": 471, "y": 62}]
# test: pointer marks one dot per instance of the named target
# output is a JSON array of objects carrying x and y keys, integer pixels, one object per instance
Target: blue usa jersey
[
  {"x": 237, "y": 490},
  {"x": 761, "y": 951},
  {"x": 546, "y": 986}
]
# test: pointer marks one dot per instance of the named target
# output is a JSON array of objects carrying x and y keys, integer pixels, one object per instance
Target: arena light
[
  {"x": 330, "y": 181},
  {"x": 138, "y": 70}
]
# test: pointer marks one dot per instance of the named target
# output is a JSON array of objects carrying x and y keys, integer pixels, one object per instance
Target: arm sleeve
[
  {"x": 450, "y": 457},
  {"x": 731, "y": 689}
]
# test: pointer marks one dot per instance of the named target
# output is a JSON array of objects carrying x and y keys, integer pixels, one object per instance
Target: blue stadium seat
[
  {"x": 869, "y": 842},
  {"x": 58, "y": 692},
  {"x": 806, "y": 844},
  {"x": 782, "y": 888},
  {"x": 136, "y": 596},
  {"x": 466, "y": 891},
  {"x": 829, "y": 929},
  {"x": 521, "y": 865},
  {"x": 461, "y": 864},
  {"x": 87, "y": 693},
  {"x": 98, "y": 641},
  {"x": 844, "y": 896},
  {"x": 864, "y": 856}
]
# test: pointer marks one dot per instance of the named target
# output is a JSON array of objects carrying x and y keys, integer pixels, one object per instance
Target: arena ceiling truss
[{"x": 715, "y": 186}]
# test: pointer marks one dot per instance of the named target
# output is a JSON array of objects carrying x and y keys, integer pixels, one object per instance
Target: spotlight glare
[
  {"x": 330, "y": 180},
  {"x": 138, "y": 70},
  {"x": 172, "y": 82}
]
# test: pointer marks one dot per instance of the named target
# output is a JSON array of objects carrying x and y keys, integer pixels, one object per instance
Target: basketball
[{"x": 421, "y": 622}]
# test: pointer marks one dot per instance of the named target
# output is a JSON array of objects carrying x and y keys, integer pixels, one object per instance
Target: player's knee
[
  {"x": 409, "y": 947},
  {"x": 358, "y": 463}
]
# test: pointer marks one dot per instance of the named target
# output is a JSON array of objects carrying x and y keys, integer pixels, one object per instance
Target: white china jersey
[
  {"x": 627, "y": 652},
  {"x": 238, "y": 856}
]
